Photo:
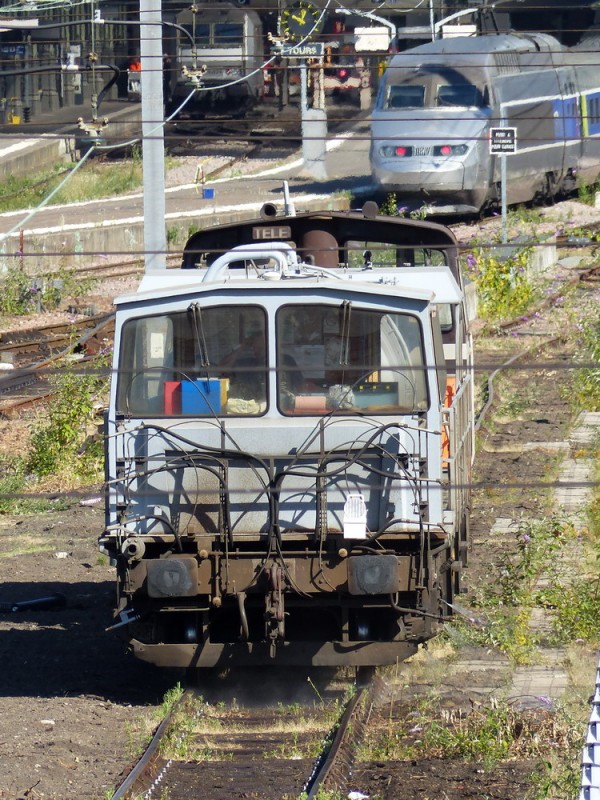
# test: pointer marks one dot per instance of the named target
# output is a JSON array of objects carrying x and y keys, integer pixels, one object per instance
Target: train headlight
[
  {"x": 172, "y": 577},
  {"x": 450, "y": 149},
  {"x": 373, "y": 574},
  {"x": 396, "y": 151}
]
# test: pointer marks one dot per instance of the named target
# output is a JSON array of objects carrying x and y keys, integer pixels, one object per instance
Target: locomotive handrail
[
  {"x": 281, "y": 252},
  {"x": 284, "y": 254}
]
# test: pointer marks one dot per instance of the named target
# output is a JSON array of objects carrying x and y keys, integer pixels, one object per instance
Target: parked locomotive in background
[
  {"x": 436, "y": 105},
  {"x": 228, "y": 41},
  {"x": 289, "y": 444}
]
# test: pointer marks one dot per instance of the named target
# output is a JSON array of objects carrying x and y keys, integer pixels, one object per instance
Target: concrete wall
[
  {"x": 32, "y": 153},
  {"x": 89, "y": 244}
]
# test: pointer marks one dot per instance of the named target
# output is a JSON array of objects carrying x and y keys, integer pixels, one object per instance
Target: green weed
[
  {"x": 504, "y": 628},
  {"x": 60, "y": 440},
  {"x": 22, "y": 293},
  {"x": 524, "y": 214},
  {"x": 586, "y": 384},
  {"x": 390, "y": 208},
  {"x": 96, "y": 179},
  {"x": 171, "y": 698},
  {"x": 504, "y": 289},
  {"x": 587, "y": 193},
  {"x": 558, "y": 775},
  {"x": 294, "y": 748},
  {"x": 487, "y": 734},
  {"x": 506, "y": 603},
  {"x": 15, "y": 490},
  {"x": 575, "y": 609},
  {"x": 178, "y": 741},
  {"x": 173, "y": 234}
]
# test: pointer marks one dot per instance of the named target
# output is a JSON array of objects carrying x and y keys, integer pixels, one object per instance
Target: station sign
[
  {"x": 503, "y": 141},
  {"x": 306, "y": 50}
]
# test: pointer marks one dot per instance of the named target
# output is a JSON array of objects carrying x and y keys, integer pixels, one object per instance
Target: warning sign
[{"x": 503, "y": 141}]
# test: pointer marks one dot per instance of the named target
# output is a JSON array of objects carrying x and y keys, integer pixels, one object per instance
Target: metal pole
[
  {"x": 503, "y": 189},
  {"x": 304, "y": 109},
  {"x": 153, "y": 143},
  {"x": 303, "y": 89},
  {"x": 314, "y": 131},
  {"x": 432, "y": 21},
  {"x": 503, "y": 196}
]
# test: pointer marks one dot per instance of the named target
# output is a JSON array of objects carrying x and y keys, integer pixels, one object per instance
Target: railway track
[
  {"x": 274, "y": 751},
  {"x": 32, "y": 355}
]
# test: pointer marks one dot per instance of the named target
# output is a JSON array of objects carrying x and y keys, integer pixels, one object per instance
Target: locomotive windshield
[
  {"x": 340, "y": 359},
  {"x": 198, "y": 362},
  {"x": 216, "y": 361}
]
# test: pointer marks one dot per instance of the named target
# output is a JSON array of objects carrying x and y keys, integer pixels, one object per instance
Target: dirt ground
[
  {"x": 72, "y": 699},
  {"x": 499, "y": 460}
]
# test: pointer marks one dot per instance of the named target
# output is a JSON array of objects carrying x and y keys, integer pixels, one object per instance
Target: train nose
[{"x": 414, "y": 174}]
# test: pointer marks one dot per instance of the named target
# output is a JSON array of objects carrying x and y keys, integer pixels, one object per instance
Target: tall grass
[{"x": 95, "y": 180}]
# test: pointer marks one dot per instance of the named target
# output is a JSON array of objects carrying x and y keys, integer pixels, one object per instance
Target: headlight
[
  {"x": 450, "y": 149},
  {"x": 396, "y": 151},
  {"x": 172, "y": 577}
]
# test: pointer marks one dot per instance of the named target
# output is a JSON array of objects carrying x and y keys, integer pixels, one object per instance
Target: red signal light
[
  {"x": 446, "y": 150},
  {"x": 401, "y": 151}
]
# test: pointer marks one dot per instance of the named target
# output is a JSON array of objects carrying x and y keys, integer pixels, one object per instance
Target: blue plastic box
[{"x": 201, "y": 396}]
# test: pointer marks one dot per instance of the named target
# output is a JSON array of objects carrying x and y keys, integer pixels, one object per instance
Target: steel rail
[
  {"x": 137, "y": 779},
  {"x": 346, "y": 728},
  {"x": 27, "y": 376}
]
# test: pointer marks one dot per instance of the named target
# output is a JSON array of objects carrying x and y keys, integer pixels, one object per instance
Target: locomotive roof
[
  {"x": 325, "y": 234},
  {"x": 487, "y": 46},
  {"x": 341, "y": 226},
  {"x": 157, "y": 290}
]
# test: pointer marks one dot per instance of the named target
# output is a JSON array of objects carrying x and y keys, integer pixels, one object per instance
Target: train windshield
[
  {"x": 215, "y": 34},
  {"x": 337, "y": 359},
  {"x": 465, "y": 95},
  {"x": 434, "y": 87},
  {"x": 228, "y": 33},
  {"x": 199, "y": 362},
  {"x": 406, "y": 96}
]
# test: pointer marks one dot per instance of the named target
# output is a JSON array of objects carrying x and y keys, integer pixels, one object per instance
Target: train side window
[
  {"x": 444, "y": 312},
  {"x": 389, "y": 256},
  {"x": 201, "y": 33}
]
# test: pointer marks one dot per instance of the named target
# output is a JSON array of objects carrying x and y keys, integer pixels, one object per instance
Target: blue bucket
[{"x": 208, "y": 194}]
